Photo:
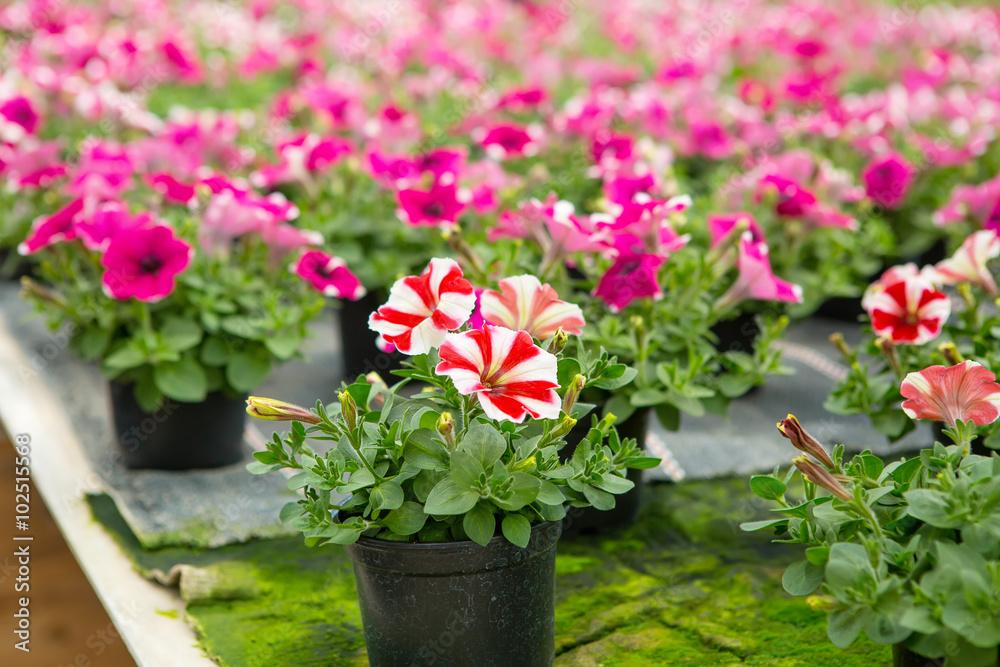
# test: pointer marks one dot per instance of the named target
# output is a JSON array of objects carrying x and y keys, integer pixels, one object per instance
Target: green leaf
[
  {"x": 611, "y": 382},
  {"x": 767, "y": 487},
  {"x": 802, "y": 578},
  {"x": 465, "y": 470},
  {"x": 180, "y": 333},
  {"x": 648, "y": 397},
  {"x": 246, "y": 371},
  {"x": 447, "y": 498},
  {"x": 872, "y": 465},
  {"x": 484, "y": 443},
  {"x": 90, "y": 343},
  {"x": 754, "y": 526},
  {"x": 386, "y": 495},
  {"x": 524, "y": 490},
  {"x": 182, "y": 380},
  {"x": 517, "y": 529},
  {"x": 619, "y": 406},
  {"x": 283, "y": 345},
  {"x": 480, "y": 524},
  {"x": 669, "y": 416},
  {"x": 549, "y": 494},
  {"x": 125, "y": 357},
  {"x": 601, "y": 500},
  {"x": 423, "y": 451},
  {"x": 214, "y": 352},
  {"x": 614, "y": 484},
  {"x": 408, "y": 519},
  {"x": 844, "y": 626},
  {"x": 568, "y": 369}
]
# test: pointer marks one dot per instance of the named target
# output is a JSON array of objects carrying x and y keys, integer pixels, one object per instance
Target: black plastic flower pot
[
  {"x": 904, "y": 657},
  {"x": 841, "y": 308},
  {"x": 458, "y": 603},
  {"x": 737, "y": 334},
  {"x": 361, "y": 354},
  {"x": 588, "y": 520},
  {"x": 178, "y": 436}
]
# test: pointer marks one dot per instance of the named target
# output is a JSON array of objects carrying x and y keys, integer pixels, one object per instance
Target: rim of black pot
[{"x": 459, "y": 557}]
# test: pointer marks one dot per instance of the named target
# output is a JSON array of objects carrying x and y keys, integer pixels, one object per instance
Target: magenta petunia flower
[
  {"x": 170, "y": 188},
  {"x": 969, "y": 263},
  {"x": 438, "y": 206},
  {"x": 792, "y": 199},
  {"x": 20, "y": 112},
  {"x": 525, "y": 304},
  {"x": 143, "y": 263},
  {"x": 953, "y": 394},
  {"x": 631, "y": 277},
  {"x": 422, "y": 309},
  {"x": 756, "y": 280},
  {"x": 622, "y": 190},
  {"x": 329, "y": 275},
  {"x": 509, "y": 141},
  {"x": 510, "y": 375},
  {"x": 907, "y": 311},
  {"x": 107, "y": 220},
  {"x": 720, "y": 225},
  {"x": 55, "y": 228},
  {"x": 887, "y": 179}
]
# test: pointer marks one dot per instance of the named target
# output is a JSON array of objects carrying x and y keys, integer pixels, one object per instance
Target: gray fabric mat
[{"x": 210, "y": 508}]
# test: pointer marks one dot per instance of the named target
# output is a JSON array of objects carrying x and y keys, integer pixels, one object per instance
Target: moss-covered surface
[{"x": 683, "y": 586}]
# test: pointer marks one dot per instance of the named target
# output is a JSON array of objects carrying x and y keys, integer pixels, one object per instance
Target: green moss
[{"x": 683, "y": 586}]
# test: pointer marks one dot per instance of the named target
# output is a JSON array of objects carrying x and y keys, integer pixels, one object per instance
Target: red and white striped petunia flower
[
  {"x": 909, "y": 311},
  {"x": 969, "y": 263},
  {"x": 525, "y": 304},
  {"x": 511, "y": 376},
  {"x": 422, "y": 309},
  {"x": 951, "y": 394}
]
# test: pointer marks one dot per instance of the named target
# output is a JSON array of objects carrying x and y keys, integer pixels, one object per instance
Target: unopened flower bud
[
  {"x": 821, "y": 603},
  {"x": 563, "y": 428},
  {"x": 446, "y": 428},
  {"x": 821, "y": 477},
  {"x": 573, "y": 393},
  {"x": 838, "y": 342},
  {"x": 274, "y": 410},
  {"x": 525, "y": 465},
  {"x": 951, "y": 353},
  {"x": 378, "y": 384},
  {"x": 349, "y": 409},
  {"x": 801, "y": 440},
  {"x": 639, "y": 327},
  {"x": 558, "y": 342}
]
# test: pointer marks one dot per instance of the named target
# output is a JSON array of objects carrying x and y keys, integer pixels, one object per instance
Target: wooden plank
[{"x": 63, "y": 475}]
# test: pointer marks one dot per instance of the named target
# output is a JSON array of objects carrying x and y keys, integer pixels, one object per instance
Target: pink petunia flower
[
  {"x": 888, "y": 179},
  {"x": 18, "y": 118},
  {"x": 422, "y": 309},
  {"x": 907, "y": 311},
  {"x": 509, "y": 141},
  {"x": 953, "y": 394},
  {"x": 631, "y": 277},
  {"x": 329, "y": 275},
  {"x": 720, "y": 225},
  {"x": 969, "y": 263},
  {"x": 170, "y": 188},
  {"x": 55, "y": 228},
  {"x": 756, "y": 280},
  {"x": 143, "y": 263},
  {"x": 792, "y": 199},
  {"x": 980, "y": 202},
  {"x": 438, "y": 206},
  {"x": 105, "y": 222},
  {"x": 525, "y": 304},
  {"x": 510, "y": 375}
]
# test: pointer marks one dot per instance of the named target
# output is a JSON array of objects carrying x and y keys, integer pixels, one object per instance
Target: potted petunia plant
[
  {"x": 451, "y": 497},
  {"x": 907, "y": 552},
  {"x": 654, "y": 288},
  {"x": 187, "y": 300},
  {"x": 912, "y": 325}
]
